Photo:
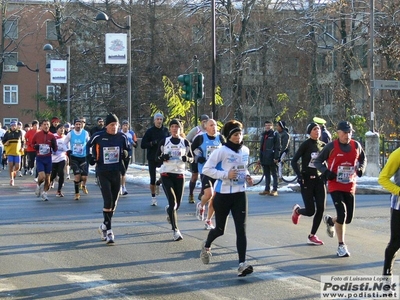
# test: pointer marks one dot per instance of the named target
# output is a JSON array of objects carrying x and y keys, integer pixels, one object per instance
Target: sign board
[
  {"x": 387, "y": 84},
  {"x": 58, "y": 71},
  {"x": 116, "y": 48}
]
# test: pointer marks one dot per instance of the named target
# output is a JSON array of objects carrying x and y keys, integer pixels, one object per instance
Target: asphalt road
[{"x": 51, "y": 250}]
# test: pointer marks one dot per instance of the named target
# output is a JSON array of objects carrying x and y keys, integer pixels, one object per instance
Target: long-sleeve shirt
[
  {"x": 108, "y": 150},
  {"x": 220, "y": 162},
  {"x": 392, "y": 168},
  {"x": 46, "y": 143},
  {"x": 150, "y": 140},
  {"x": 307, "y": 151}
]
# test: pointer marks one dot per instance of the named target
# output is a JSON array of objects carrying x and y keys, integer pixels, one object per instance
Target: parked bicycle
[{"x": 257, "y": 173}]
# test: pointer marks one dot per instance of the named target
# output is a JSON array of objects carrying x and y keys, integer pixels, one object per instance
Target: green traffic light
[{"x": 186, "y": 80}]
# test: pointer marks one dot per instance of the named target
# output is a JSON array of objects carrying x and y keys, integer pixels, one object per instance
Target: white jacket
[{"x": 220, "y": 162}]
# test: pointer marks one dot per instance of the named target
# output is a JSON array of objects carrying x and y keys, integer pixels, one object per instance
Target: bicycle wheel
[
  {"x": 256, "y": 172},
  {"x": 288, "y": 174}
]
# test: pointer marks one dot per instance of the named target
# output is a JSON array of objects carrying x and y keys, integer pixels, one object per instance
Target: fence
[{"x": 387, "y": 146}]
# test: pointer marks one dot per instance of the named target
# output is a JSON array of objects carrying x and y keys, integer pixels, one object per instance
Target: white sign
[
  {"x": 387, "y": 85},
  {"x": 359, "y": 287},
  {"x": 58, "y": 71},
  {"x": 116, "y": 48}
]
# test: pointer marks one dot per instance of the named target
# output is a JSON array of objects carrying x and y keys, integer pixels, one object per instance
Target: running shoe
[
  {"x": 166, "y": 211},
  {"x": 25, "y": 172},
  {"x": 124, "y": 191},
  {"x": 77, "y": 196},
  {"x": 103, "y": 232},
  {"x": 295, "y": 214},
  {"x": 244, "y": 269},
  {"x": 200, "y": 195},
  {"x": 110, "y": 237},
  {"x": 35, "y": 179},
  {"x": 12, "y": 182},
  {"x": 84, "y": 189},
  {"x": 191, "y": 199},
  {"x": 59, "y": 194},
  {"x": 52, "y": 185},
  {"x": 31, "y": 172},
  {"x": 44, "y": 196},
  {"x": 205, "y": 253},
  {"x": 19, "y": 174},
  {"x": 342, "y": 251},
  {"x": 314, "y": 240},
  {"x": 153, "y": 201},
  {"x": 208, "y": 225},
  {"x": 330, "y": 229},
  {"x": 68, "y": 177},
  {"x": 199, "y": 212},
  {"x": 177, "y": 235}
]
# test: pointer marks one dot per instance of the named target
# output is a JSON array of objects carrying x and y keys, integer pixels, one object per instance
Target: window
[
  {"x": 7, "y": 121},
  {"x": 11, "y": 29},
  {"x": 10, "y": 94},
  {"x": 51, "y": 33},
  {"x": 52, "y": 91},
  {"x": 10, "y": 62}
]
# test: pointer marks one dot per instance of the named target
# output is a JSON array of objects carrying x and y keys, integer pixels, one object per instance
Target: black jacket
[
  {"x": 270, "y": 145},
  {"x": 150, "y": 140}
]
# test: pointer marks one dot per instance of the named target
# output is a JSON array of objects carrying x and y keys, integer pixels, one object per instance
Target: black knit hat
[
  {"x": 310, "y": 127},
  {"x": 111, "y": 118},
  {"x": 231, "y": 127},
  {"x": 282, "y": 124},
  {"x": 174, "y": 122}
]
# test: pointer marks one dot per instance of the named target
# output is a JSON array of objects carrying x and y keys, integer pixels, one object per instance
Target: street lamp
[
  {"x": 49, "y": 47},
  {"x": 101, "y": 16},
  {"x": 21, "y": 64}
]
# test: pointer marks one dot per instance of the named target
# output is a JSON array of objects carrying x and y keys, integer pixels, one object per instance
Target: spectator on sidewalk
[
  {"x": 270, "y": 146},
  {"x": 326, "y": 136},
  {"x": 285, "y": 142}
]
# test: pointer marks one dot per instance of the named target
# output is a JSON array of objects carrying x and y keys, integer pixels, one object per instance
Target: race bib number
[
  {"x": 44, "y": 149},
  {"x": 345, "y": 174},
  {"x": 314, "y": 155},
  {"x": 176, "y": 152},
  {"x": 241, "y": 175},
  {"x": 210, "y": 150},
  {"x": 77, "y": 149},
  {"x": 110, "y": 155}
]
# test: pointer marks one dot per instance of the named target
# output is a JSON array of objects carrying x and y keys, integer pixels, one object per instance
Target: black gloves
[
  {"x": 36, "y": 146},
  {"x": 91, "y": 159},
  {"x": 184, "y": 158},
  {"x": 329, "y": 175},
  {"x": 134, "y": 145},
  {"x": 300, "y": 179},
  {"x": 201, "y": 159},
  {"x": 359, "y": 172},
  {"x": 165, "y": 157}
]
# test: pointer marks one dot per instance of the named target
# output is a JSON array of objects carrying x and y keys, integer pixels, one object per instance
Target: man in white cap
[{"x": 150, "y": 142}]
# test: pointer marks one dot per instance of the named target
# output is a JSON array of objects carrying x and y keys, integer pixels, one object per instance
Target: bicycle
[{"x": 257, "y": 173}]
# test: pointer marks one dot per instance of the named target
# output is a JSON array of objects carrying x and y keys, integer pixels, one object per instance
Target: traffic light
[
  {"x": 187, "y": 86},
  {"x": 200, "y": 86}
]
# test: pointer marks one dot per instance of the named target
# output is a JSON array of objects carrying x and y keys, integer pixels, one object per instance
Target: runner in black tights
[{"x": 312, "y": 185}]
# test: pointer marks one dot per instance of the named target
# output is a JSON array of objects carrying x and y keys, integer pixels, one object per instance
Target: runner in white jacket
[{"x": 228, "y": 165}]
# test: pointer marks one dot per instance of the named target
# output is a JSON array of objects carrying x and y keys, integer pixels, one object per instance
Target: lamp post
[
  {"x": 49, "y": 47},
  {"x": 101, "y": 16},
  {"x": 21, "y": 64}
]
